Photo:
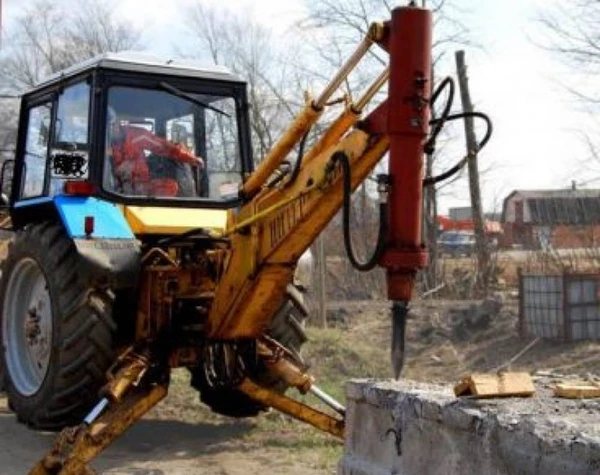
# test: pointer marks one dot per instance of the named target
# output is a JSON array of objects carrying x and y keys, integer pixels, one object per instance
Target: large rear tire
[
  {"x": 287, "y": 327},
  {"x": 56, "y": 331}
]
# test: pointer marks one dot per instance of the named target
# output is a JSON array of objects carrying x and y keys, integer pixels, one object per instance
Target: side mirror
[{"x": 6, "y": 174}]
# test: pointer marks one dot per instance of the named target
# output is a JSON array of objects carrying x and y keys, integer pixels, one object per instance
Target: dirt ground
[
  {"x": 182, "y": 437},
  {"x": 169, "y": 441}
]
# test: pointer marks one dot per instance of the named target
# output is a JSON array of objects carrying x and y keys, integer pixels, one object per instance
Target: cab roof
[{"x": 140, "y": 62}]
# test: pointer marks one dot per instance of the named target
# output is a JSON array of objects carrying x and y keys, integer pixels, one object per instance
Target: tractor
[{"x": 146, "y": 240}]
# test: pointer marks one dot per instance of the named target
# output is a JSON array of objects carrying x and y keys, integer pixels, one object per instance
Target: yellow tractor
[{"x": 146, "y": 241}]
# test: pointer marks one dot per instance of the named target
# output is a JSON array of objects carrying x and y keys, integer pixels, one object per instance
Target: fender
[{"x": 110, "y": 254}]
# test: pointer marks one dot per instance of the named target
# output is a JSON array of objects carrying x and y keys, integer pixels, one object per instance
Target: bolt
[
  {"x": 420, "y": 82},
  {"x": 32, "y": 325}
]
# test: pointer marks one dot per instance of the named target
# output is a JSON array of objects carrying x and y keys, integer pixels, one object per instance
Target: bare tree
[
  {"x": 248, "y": 49},
  {"x": 349, "y": 20},
  {"x": 93, "y": 29},
  {"x": 9, "y": 112},
  {"x": 571, "y": 31},
  {"x": 50, "y": 36}
]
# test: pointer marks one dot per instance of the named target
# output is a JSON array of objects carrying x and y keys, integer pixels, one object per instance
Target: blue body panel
[{"x": 109, "y": 222}]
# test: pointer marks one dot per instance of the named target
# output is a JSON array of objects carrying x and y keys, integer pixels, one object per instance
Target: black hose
[
  {"x": 342, "y": 158},
  {"x": 460, "y": 164},
  {"x": 479, "y": 115},
  {"x": 439, "y": 123},
  {"x": 298, "y": 164}
]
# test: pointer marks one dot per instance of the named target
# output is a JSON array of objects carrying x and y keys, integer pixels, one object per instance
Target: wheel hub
[
  {"x": 32, "y": 326},
  {"x": 27, "y": 326}
]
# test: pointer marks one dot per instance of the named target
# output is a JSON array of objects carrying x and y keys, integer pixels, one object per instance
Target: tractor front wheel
[{"x": 56, "y": 331}]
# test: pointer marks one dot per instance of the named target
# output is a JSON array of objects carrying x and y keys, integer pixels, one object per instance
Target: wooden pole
[
  {"x": 483, "y": 257},
  {"x": 430, "y": 221},
  {"x": 430, "y": 203}
]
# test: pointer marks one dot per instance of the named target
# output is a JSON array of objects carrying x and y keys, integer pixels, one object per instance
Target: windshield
[{"x": 168, "y": 143}]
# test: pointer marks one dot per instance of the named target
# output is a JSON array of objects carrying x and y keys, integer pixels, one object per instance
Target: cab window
[
  {"x": 36, "y": 150},
  {"x": 165, "y": 144},
  {"x": 69, "y": 155},
  {"x": 72, "y": 116},
  {"x": 222, "y": 149}
]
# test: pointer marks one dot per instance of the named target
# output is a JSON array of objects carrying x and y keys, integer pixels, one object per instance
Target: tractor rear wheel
[
  {"x": 287, "y": 328},
  {"x": 56, "y": 331}
]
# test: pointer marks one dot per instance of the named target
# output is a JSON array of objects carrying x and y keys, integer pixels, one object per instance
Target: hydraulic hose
[
  {"x": 344, "y": 162},
  {"x": 432, "y": 180},
  {"x": 438, "y": 125},
  {"x": 298, "y": 164}
]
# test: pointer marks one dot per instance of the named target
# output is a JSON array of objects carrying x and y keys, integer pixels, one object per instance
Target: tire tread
[{"x": 86, "y": 327}]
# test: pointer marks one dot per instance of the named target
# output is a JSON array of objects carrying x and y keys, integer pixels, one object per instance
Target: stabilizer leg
[
  {"x": 127, "y": 397},
  {"x": 296, "y": 409},
  {"x": 75, "y": 447}
]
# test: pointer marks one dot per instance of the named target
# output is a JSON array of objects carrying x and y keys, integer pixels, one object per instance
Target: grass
[{"x": 335, "y": 356}]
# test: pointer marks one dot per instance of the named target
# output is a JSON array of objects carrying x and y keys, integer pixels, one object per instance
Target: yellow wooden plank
[
  {"x": 508, "y": 384},
  {"x": 576, "y": 391}
]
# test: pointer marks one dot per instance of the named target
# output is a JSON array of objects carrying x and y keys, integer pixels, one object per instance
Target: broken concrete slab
[{"x": 409, "y": 428}]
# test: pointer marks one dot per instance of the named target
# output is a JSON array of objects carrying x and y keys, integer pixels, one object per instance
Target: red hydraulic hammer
[{"x": 408, "y": 114}]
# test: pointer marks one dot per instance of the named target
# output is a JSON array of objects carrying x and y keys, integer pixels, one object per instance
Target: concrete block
[{"x": 413, "y": 428}]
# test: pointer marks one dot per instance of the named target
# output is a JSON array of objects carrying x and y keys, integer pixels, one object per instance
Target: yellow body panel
[{"x": 160, "y": 220}]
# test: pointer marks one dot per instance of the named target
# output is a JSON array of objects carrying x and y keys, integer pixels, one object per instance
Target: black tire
[
  {"x": 287, "y": 327},
  {"x": 81, "y": 348}
]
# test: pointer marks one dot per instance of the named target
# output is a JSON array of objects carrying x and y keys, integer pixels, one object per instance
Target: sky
[{"x": 519, "y": 85}]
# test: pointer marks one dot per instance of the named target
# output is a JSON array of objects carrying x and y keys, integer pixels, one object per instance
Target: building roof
[
  {"x": 561, "y": 193},
  {"x": 140, "y": 62},
  {"x": 568, "y": 210},
  {"x": 566, "y": 206}
]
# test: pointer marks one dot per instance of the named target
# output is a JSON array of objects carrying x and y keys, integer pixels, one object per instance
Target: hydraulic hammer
[{"x": 408, "y": 113}]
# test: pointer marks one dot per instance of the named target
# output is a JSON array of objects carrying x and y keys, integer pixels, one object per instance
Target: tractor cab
[{"x": 133, "y": 131}]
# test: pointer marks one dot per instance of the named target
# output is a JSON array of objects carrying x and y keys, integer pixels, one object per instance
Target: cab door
[
  {"x": 70, "y": 149},
  {"x": 53, "y": 147}
]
